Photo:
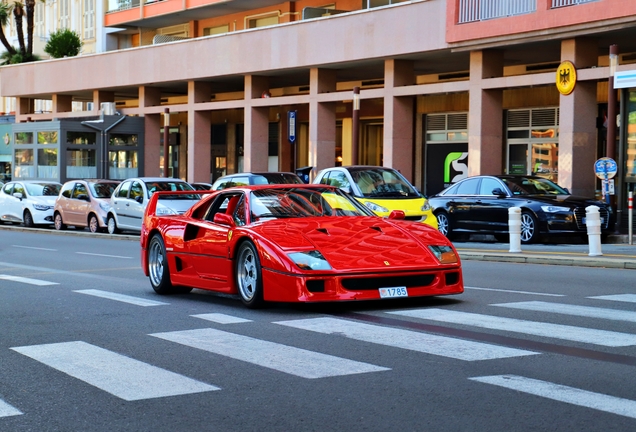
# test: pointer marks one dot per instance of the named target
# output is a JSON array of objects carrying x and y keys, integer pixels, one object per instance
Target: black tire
[
  {"x": 93, "y": 224},
  {"x": 249, "y": 279},
  {"x": 159, "y": 271},
  {"x": 58, "y": 222},
  {"x": 529, "y": 228},
  {"x": 27, "y": 219},
  {"x": 112, "y": 225},
  {"x": 444, "y": 225}
]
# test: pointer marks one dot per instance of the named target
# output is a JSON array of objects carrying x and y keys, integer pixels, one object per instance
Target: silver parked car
[{"x": 129, "y": 201}]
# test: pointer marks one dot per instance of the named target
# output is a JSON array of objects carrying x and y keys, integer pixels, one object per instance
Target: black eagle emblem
[{"x": 564, "y": 76}]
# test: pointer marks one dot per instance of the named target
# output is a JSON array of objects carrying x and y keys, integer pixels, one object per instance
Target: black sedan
[{"x": 480, "y": 205}]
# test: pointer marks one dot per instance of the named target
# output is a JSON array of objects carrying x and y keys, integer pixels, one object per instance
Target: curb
[
  {"x": 80, "y": 233},
  {"x": 522, "y": 258}
]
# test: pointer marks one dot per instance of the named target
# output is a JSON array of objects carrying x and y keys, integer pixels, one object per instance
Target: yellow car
[{"x": 381, "y": 189}]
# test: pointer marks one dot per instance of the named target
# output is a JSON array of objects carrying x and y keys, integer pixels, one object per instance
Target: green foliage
[
  {"x": 63, "y": 43},
  {"x": 7, "y": 58}
]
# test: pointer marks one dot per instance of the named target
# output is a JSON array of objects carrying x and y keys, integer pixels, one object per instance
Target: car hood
[
  {"x": 358, "y": 243},
  {"x": 43, "y": 200},
  {"x": 565, "y": 200}
]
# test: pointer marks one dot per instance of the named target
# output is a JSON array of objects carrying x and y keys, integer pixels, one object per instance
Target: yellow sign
[{"x": 566, "y": 77}]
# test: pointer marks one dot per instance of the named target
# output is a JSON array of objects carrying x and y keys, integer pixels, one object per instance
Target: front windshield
[
  {"x": 383, "y": 183},
  {"x": 43, "y": 189},
  {"x": 168, "y": 186},
  {"x": 303, "y": 202},
  {"x": 533, "y": 186},
  {"x": 102, "y": 190}
]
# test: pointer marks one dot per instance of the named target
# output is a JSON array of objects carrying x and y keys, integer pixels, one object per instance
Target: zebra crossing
[{"x": 132, "y": 380}]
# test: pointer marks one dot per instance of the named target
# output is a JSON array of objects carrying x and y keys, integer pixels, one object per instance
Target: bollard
[
  {"x": 514, "y": 229},
  {"x": 593, "y": 222}
]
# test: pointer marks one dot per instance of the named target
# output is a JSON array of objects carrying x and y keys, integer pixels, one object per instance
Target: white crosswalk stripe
[
  {"x": 407, "y": 339},
  {"x": 121, "y": 297},
  {"x": 7, "y": 410},
  {"x": 627, "y": 298},
  {"x": 27, "y": 280},
  {"x": 557, "y": 331},
  {"x": 114, "y": 373},
  {"x": 283, "y": 358},
  {"x": 221, "y": 318},
  {"x": 575, "y": 310},
  {"x": 561, "y": 393}
]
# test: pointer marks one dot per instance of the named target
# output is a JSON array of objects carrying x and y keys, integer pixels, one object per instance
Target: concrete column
[
  {"x": 485, "y": 117},
  {"x": 23, "y": 107},
  {"x": 577, "y": 122},
  {"x": 199, "y": 141},
  {"x": 398, "y": 117},
  {"x": 232, "y": 163},
  {"x": 100, "y": 97},
  {"x": 149, "y": 96},
  {"x": 199, "y": 92},
  {"x": 62, "y": 103},
  {"x": 152, "y": 143},
  {"x": 256, "y": 141},
  {"x": 286, "y": 150},
  {"x": 322, "y": 120}
]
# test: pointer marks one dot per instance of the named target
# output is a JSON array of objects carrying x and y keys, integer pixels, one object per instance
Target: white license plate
[
  {"x": 393, "y": 292},
  {"x": 602, "y": 221}
]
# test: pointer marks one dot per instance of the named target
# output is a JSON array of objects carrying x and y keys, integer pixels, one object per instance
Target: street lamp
[{"x": 166, "y": 135}]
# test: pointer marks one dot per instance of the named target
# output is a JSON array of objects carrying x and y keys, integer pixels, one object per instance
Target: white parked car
[
  {"x": 29, "y": 202},
  {"x": 129, "y": 201}
]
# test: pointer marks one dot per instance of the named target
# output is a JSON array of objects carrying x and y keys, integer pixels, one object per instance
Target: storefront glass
[{"x": 630, "y": 157}]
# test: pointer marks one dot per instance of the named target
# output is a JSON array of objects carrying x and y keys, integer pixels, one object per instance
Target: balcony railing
[
  {"x": 480, "y": 10},
  {"x": 561, "y": 3}
]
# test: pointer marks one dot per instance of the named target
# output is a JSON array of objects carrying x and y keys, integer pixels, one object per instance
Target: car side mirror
[
  {"x": 18, "y": 195},
  {"x": 139, "y": 199},
  {"x": 224, "y": 219},
  {"x": 397, "y": 214},
  {"x": 567, "y": 191},
  {"x": 83, "y": 197},
  {"x": 498, "y": 192}
]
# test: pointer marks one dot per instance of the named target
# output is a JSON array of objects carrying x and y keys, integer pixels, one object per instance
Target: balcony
[
  {"x": 562, "y": 3},
  {"x": 481, "y": 10}
]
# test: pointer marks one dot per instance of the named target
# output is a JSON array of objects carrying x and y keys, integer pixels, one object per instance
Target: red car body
[{"x": 364, "y": 253}]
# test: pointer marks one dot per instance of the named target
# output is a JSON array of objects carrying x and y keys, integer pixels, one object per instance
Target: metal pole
[
  {"x": 630, "y": 202},
  {"x": 611, "y": 104},
  {"x": 166, "y": 138},
  {"x": 355, "y": 126}
]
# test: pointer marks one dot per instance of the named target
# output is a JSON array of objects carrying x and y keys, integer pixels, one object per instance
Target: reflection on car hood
[{"x": 358, "y": 243}]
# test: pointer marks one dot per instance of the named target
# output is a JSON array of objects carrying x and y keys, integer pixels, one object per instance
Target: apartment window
[
  {"x": 216, "y": 30},
  {"x": 38, "y": 19},
  {"x": 89, "y": 19},
  {"x": 65, "y": 13},
  {"x": 561, "y": 3},
  {"x": 262, "y": 21}
]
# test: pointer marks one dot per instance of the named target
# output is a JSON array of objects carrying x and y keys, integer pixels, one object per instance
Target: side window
[
  {"x": 123, "y": 190},
  {"x": 219, "y": 204},
  {"x": 8, "y": 188},
  {"x": 468, "y": 187},
  {"x": 136, "y": 190},
  {"x": 325, "y": 179},
  {"x": 240, "y": 181},
  {"x": 339, "y": 179},
  {"x": 487, "y": 186},
  {"x": 67, "y": 189},
  {"x": 19, "y": 188},
  {"x": 80, "y": 189}
]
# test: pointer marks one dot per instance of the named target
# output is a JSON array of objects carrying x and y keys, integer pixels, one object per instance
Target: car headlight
[
  {"x": 554, "y": 209},
  {"x": 42, "y": 207},
  {"x": 165, "y": 211},
  {"x": 310, "y": 260},
  {"x": 426, "y": 206},
  {"x": 444, "y": 254},
  {"x": 104, "y": 206},
  {"x": 376, "y": 208}
]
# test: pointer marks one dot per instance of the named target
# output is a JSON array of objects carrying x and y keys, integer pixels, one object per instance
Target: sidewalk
[{"x": 616, "y": 253}]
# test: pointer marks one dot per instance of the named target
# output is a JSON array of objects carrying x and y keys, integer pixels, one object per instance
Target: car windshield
[
  {"x": 276, "y": 178},
  {"x": 160, "y": 186},
  {"x": 533, "y": 186},
  {"x": 383, "y": 183},
  {"x": 102, "y": 190},
  {"x": 301, "y": 202},
  {"x": 43, "y": 189}
]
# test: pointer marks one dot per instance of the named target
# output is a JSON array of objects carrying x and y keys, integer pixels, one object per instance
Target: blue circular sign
[{"x": 605, "y": 168}]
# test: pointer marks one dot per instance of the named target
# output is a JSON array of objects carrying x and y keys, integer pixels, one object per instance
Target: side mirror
[
  {"x": 139, "y": 199},
  {"x": 83, "y": 197},
  {"x": 397, "y": 214},
  {"x": 224, "y": 219},
  {"x": 567, "y": 191},
  {"x": 18, "y": 195},
  {"x": 499, "y": 193}
]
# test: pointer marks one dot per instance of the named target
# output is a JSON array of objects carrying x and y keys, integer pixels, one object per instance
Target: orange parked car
[{"x": 84, "y": 203}]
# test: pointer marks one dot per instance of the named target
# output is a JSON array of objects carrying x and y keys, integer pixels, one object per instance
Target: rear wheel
[
  {"x": 57, "y": 222},
  {"x": 93, "y": 223},
  {"x": 28, "y": 219},
  {"x": 249, "y": 280},
  {"x": 443, "y": 224},
  {"x": 159, "y": 271},
  {"x": 529, "y": 228},
  {"x": 112, "y": 225}
]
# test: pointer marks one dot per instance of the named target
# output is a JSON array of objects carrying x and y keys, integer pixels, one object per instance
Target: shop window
[
  {"x": 81, "y": 164},
  {"x": 123, "y": 140},
  {"x": 23, "y": 164},
  {"x": 23, "y": 138},
  {"x": 81, "y": 138},
  {"x": 47, "y": 163},
  {"x": 47, "y": 137},
  {"x": 122, "y": 164}
]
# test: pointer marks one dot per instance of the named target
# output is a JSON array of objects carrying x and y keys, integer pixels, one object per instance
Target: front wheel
[
  {"x": 112, "y": 225},
  {"x": 58, "y": 222},
  {"x": 529, "y": 228},
  {"x": 249, "y": 278},
  {"x": 443, "y": 224},
  {"x": 93, "y": 224},
  {"x": 28, "y": 219}
]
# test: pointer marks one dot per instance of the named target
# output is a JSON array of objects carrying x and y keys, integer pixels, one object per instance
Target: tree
[
  {"x": 63, "y": 43},
  {"x": 24, "y": 53}
]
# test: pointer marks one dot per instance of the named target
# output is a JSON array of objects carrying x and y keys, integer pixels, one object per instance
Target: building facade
[{"x": 447, "y": 88}]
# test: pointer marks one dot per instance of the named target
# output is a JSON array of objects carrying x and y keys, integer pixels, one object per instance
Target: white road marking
[
  {"x": 36, "y": 248},
  {"x": 283, "y": 358},
  {"x": 565, "y": 309},
  {"x": 561, "y": 393},
  {"x": 406, "y": 339},
  {"x": 557, "y": 331},
  {"x": 7, "y": 410},
  {"x": 104, "y": 255},
  {"x": 515, "y": 292},
  {"x": 221, "y": 318},
  {"x": 121, "y": 297},
  {"x": 121, "y": 376},
  {"x": 628, "y": 298},
  {"x": 27, "y": 280}
]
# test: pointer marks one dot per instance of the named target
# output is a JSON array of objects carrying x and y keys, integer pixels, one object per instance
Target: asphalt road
[{"x": 86, "y": 345}]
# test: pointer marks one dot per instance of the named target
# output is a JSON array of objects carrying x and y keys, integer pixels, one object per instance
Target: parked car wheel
[
  {"x": 443, "y": 224},
  {"x": 248, "y": 276},
  {"x": 112, "y": 225},
  {"x": 57, "y": 222},
  {"x": 529, "y": 228},
  {"x": 28, "y": 219},
  {"x": 93, "y": 224}
]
